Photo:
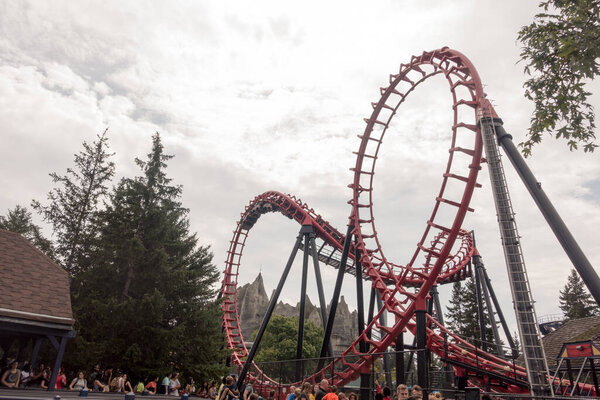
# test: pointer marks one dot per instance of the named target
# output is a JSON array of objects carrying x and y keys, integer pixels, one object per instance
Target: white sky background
[{"x": 257, "y": 96}]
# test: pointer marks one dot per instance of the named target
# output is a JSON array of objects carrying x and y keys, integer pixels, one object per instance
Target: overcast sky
[{"x": 257, "y": 96}]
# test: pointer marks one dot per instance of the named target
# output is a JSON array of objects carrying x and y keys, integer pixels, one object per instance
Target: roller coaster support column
[
  {"x": 269, "y": 312},
  {"x": 447, "y": 371},
  {"x": 511, "y": 342},
  {"x": 479, "y": 274},
  {"x": 365, "y": 376},
  {"x": 480, "y": 311},
  {"x": 422, "y": 367},
  {"x": 371, "y": 311},
  {"x": 306, "y": 231},
  {"x": 574, "y": 252},
  {"x": 594, "y": 377},
  {"x": 322, "y": 303},
  {"x": 400, "y": 359},
  {"x": 336, "y": 295},
  {"x": 386, "y": 360}
]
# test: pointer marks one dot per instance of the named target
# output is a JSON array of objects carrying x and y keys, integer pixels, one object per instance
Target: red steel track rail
[{"x": 441, "y": 254}]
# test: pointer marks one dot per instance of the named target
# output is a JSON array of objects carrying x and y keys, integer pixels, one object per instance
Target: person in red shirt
[
  {"x": 332, "y": 395},
  {"x": 387, "y": 393},
  {"x": 151, "y": 386},
  {"x": 61, "y": 379}
]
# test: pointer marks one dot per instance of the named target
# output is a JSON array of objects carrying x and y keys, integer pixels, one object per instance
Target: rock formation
[{"x": 253, "y": 302}]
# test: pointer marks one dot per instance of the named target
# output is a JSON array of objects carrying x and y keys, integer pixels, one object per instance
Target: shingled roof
[
  {"x": 576, "y": 330},
  {"x": 34, "y": 288}
]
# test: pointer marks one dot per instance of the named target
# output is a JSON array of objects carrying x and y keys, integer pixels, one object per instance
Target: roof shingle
[{"x": 32, "y": 286}]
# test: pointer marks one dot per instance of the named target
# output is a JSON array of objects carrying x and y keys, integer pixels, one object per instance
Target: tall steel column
[
  {"x": 336, "y": 295},
  {"x": 421, "y": 337},
  {"x": 322, "y": 303},
  {"x": 567, "y": 241},
  {"x": 269, "y": 312},
  {"x": 306, "y": 230}
]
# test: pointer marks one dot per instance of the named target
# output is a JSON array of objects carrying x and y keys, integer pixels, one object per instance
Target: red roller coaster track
[{"x": 442, "y": 252}]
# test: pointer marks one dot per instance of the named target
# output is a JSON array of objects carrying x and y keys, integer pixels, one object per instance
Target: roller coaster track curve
[{"x": 438, "y": 258}]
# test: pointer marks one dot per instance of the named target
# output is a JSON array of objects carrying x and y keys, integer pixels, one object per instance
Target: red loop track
[{"x": 441, "y": 253}]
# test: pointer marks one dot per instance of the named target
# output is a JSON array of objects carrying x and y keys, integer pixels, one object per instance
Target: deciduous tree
[{"x": 561, "y": 50}]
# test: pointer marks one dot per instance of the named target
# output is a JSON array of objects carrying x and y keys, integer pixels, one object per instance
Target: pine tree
[
  {"x": 19, "y": 220},
  {"x": 455, "y": 312},
  {"x": 75, "y": 202},
  {"x": 147, "y": 304},
  {"x": 462, "y": 315},
  {"x": 575, "y": 302}
]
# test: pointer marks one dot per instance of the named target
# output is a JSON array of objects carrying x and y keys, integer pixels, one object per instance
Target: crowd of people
[
  {"x": 102, "y": 380},
  {"x": 109, "y": 380}
]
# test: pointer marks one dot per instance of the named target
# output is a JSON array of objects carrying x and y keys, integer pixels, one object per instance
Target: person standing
[
  {"x": 61, "y": 379},
  {"x": 306, "y": 389},
  {"x": 402, "y": 392},
  {"x": 417, "y": 392},
  {"x": 248, "y": 390},
  {"x": 292, "y": 395},
  {"x": 322, "y": 390},
  {"x": 174, "y": 385},
  {"x": 164, "y": 385},
  {"x": 332, "y": 395}
]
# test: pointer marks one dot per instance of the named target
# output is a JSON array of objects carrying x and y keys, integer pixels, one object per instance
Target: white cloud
[{"x": 270, "y": 95}]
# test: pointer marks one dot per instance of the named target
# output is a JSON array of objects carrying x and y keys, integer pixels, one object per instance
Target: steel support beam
[
  {"x": 336, "y": 295},
  {"x": 511, "y": 342},
  {"x": 479, "y": 273},
  {"x": 365, "y": 378},
  {"x": 421, "y": 317},
  {"x": 564, "y": 236},
  {"x": 306, "y": 230},
  {"x": 371, "y": 310},
  {"x": 269, "y": 312},
  {"x": 386, "y": 360},
  {"x": 400, "y": 378},
  {"x": 480, "y": 310},
  {"x": 594, "y": 377},
  {"x": 322, "y": 303}
]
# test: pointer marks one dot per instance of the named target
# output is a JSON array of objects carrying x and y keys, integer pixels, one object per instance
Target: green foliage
[
  {"x": 462, "y": 317},
  {"x": 75, "y": 201},
  {"x": 561, "y": 52},
  {"x": 279, "y": 343},
  {"x": 146, "y": 302},
  {"x": 455, "y": 312},
  {"x": 575, "y": 301},
  {"x": 19, "y": 220}
]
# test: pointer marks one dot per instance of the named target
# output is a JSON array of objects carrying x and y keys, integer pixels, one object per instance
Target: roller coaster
[{"x": 443, "y": 252}]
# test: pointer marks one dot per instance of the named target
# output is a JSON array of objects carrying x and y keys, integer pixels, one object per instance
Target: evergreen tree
[
  {"x": 75, "y": 202},
  {"x": 454, "y": 312},
  {"x": 146, "y": 304},
  {"x": 575, "y": 301},
  {"x": 19, "y": 220},
  {"x": 517, "y": 344},
  {"x": 462, "y": 315}
]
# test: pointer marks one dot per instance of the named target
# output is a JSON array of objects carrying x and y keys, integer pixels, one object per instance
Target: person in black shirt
[{"x": 323, "y": 389}]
